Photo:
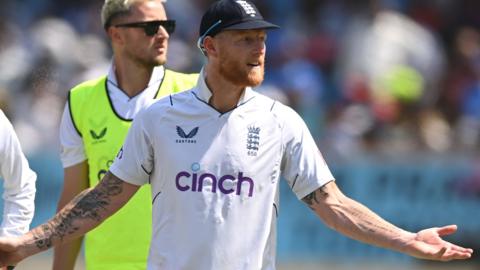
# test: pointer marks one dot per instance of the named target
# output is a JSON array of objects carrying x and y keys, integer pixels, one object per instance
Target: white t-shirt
[
  {"x": 73, "y": 150},
  {"x": 214, "y": 177},
  {"x": 18, "y": 185}
]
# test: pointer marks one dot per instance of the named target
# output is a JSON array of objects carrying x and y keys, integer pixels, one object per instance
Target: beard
[
  {"x": 241, "y": 74},
  {"x": 148, "y": 61},
  {"x": 152, "y": 61}
]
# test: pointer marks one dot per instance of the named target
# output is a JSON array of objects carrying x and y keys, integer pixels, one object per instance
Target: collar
[
  {"x": 203, "y": 92},
  {"x": 157, "y": 75}
]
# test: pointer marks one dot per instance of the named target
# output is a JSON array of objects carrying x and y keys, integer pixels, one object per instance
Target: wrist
[
  {"x": 25, "y": 246},
  {"x": 405, "y": 241}
]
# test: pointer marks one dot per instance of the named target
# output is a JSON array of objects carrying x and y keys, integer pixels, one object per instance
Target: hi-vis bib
[{"x": 122, "y": 241}]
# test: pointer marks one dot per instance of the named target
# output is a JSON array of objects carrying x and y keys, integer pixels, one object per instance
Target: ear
[
  {"x": 210, "y": 46},
  {"x": 115, "y": 35}
]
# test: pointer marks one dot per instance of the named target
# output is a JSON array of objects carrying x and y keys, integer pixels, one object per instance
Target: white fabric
[
  {"x": 214, "y": 177},
  {"x": 19, "y": 183},
  {"x": 72, "y": 148}
]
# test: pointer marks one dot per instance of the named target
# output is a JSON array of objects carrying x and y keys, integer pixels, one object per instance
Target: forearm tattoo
[
  {"x": 87, "y": 205},
  {"x": 315, "y": 197},
  {"x": 369, "y": 221},
  {"x": 354, "y": 214}
]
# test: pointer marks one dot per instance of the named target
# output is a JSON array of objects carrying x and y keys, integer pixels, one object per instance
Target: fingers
[
  {"x": 455, "y": 255},
  {"x": 447, "y": 230},
  {"x": 453, "y": 252},
  {"x": 461, "y": 249}
]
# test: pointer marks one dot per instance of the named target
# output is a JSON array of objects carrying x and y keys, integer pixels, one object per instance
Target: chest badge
[{"x": 253, "y": 140}]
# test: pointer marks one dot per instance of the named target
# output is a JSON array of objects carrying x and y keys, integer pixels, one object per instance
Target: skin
[
  {"x": 358, "y": 222},
  {"x": 338, "y": 211},
  {"x": 75, "y": 181},
  {"x": 135, "y": 55},
  {"x": 86, "y": 211},
  {"x": 227, "y": 74}
]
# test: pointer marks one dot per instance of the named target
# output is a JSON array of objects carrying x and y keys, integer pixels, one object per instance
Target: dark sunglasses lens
[
  {"x": 151, "y": 29},
  {"x": 169, "y": 26}
]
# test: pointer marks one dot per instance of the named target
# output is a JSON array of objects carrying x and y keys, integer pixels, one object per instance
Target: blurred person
[
  {"x": 18, "y": 183},
  {"x": 213, "y": 156},
  {"x": 96, "y": 119},
  {"x": 461, "y": 99},
  {"x": 392, "y": 66}
]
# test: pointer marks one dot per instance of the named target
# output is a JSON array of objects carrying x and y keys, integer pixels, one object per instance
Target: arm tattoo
[
  {"x": 87, "y": 205},
  {"x": 315, "y": 196},
  {"x": 352, "y": 218},
  {"x": 371, "y": 222}
]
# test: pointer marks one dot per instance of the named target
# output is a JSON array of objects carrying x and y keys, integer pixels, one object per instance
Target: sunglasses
[{"x": 151, "y": 28}]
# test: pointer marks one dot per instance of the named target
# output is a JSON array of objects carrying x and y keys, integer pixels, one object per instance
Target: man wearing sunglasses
[{"x": 95, "y": 122}]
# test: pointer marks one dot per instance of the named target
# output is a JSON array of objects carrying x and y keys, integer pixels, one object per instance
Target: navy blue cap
[{"x": 231, "y": 15}]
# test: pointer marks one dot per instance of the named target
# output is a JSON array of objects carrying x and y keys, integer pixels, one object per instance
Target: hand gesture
[{"x": 428, "y": 244}]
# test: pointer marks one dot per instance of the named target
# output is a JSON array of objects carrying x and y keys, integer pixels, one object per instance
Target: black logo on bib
[{"x": 98, "y": 136}]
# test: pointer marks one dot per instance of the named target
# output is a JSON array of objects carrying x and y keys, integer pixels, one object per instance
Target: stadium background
[{"x": 389, "y": 88}]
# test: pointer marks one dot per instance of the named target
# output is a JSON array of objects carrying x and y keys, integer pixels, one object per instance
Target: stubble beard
[
  {"x": 154, "y": 61},
  {"x": 149, "y": 61},
  {"x": 244, "y": 77}
]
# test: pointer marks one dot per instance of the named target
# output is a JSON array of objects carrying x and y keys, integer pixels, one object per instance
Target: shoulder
[
  {"x": 4, "y": 123},
  {"x": 3, "y": 117},
  {"x": 183, "y": 80},
  {"x": 278, "y": 110},
  {"x": 90, "y": 84},
  {"x": 6, "y": 131},
  {"x": 181, "y": 75},
  {"x": 86, "y": 88},
  {"x": 161, "y": 107}
]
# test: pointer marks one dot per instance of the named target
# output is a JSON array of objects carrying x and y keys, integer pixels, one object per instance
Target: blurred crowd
[{"x": 391, "y": 77}]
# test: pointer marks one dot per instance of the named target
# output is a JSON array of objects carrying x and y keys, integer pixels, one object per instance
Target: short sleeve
[
  {"x": 303, "y": 166},
  {"x": 72, "y": 148},
  {"x": 19, "y": 183},
  {"x": 134, "y": 161}
]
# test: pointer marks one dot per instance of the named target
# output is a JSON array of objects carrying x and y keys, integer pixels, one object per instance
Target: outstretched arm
[
  {"x": 75, "y": 180},
  {"x": 83, "y": 213},
  {"x": 358, "y": 222}
]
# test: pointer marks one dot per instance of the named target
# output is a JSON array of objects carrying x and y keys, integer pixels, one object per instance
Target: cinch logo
[
  {"x": 101, "y": 173},
  {"x": 186, "y": 138},
  {"x": 226, "y": 184}
]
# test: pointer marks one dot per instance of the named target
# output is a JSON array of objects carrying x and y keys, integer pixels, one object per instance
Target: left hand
[{"x": 428, "y": 244}]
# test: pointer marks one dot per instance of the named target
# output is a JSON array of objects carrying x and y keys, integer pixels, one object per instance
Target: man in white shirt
[
  {"x": 214, "y": 156},
  {"x": 18, "y": 183}
]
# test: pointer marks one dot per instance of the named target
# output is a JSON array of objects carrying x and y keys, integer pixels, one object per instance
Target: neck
[
  {"x": 132, "y": 78},
  {"x": 225, "y": 95}
]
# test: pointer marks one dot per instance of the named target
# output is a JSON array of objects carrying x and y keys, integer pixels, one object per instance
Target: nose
[
  {"x": 162, "y": 32},
  {"x": 259, "y": 47}
]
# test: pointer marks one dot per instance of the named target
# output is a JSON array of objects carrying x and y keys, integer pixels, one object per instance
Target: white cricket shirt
[
  {"x": 215, "y": 176},
  {"x": 73, "y": 150},
  {"x": 19, "y": 183}
]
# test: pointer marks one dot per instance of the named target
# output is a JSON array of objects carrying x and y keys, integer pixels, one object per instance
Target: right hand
[{"x": 9, "y": 251}]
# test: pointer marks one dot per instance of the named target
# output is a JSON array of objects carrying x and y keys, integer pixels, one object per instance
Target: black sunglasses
[{"x": 151, "y": 28}]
